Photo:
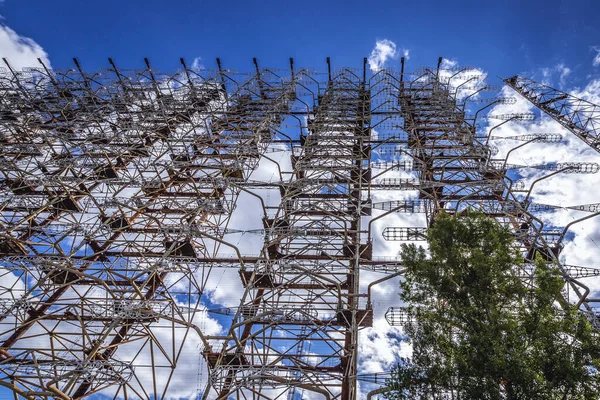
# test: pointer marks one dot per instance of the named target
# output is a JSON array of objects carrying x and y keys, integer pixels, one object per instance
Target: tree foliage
[{"x": 480, "y": 331}]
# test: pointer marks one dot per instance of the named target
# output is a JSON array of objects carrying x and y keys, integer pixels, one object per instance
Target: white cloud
[
  {"x": 197, "y": 63},
  {"x": 20, "y": 51},
  {"x": 596, "y": 61},
  {"x": 406, "y": 54},
  {"x": 564, "y": 72},
  {"x": 548, "y": 74},
  {"x": 383, "y": 51},
  {"x": 591, "y": 92},
  {"x": 190, "y": 376},
  {"x": 381, "y": 347},
  {"x": 464, "y": 80},
  {"x": 448, "y": 64}
]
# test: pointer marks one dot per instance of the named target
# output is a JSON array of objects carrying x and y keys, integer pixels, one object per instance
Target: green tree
[{"x": 480, "y": 331}]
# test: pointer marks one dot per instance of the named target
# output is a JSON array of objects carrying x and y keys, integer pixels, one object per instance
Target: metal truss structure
[
  {"x": 579, "y": 116},
  {"x": 117, "y": 190}
]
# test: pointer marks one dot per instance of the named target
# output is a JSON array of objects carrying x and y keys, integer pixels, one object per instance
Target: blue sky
[{"x": 501, "y": 37}]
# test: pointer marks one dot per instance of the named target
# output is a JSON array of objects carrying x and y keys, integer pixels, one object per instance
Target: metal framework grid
[{"x": 117, "y": 189}]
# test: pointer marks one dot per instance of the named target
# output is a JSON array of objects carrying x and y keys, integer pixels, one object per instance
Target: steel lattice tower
[{"x": 117, "y": 188}]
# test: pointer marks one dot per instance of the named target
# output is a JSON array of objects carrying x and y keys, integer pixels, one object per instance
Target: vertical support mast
[{"x": 296, "y": 328}]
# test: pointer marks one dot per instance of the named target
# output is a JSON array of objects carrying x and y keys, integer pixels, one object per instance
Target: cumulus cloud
[
  {"x": 19, "y": 50},
  {"x": 383, "y": 51},
  {"x": 381, "y": 347},
  {"x": 591, "y": 92}
]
